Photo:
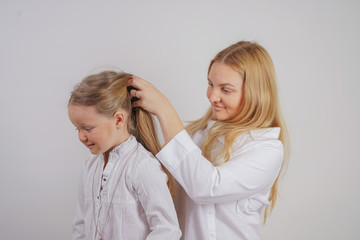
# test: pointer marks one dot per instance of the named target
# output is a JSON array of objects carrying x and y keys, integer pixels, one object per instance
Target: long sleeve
[
  {"x": 251, "y": 169},
  {"x": 78, "y": 231},
  {"x": 150, "y": 184}
]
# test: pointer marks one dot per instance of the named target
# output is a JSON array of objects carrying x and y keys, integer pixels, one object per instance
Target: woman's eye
[
  {"x": 210, "y": 84},
  {"x": 88, "y": 129},
  {"x": 226, "y": 90}
]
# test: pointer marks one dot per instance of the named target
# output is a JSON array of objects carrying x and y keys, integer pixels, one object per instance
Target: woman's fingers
[
  {"x": 136, "y": 98},
  {"x": 136, "y": 104},
  {"x": 147, "y": 96},
  {"x": 134, "y": 93},
  {"x": 137, "y": 82}
]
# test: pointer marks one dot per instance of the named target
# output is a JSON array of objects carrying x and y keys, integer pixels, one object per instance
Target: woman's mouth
[{"x": 217, "y": 108}]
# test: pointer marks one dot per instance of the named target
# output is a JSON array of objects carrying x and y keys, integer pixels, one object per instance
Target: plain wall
[{"x": 46, "y": 47}]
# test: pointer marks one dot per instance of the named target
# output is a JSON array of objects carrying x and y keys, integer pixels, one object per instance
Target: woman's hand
[
  {"x": 149, "y": 97},
  {"x": 152, "y": 100}
]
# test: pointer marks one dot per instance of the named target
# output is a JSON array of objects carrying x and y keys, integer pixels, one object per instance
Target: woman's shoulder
[
  {"x": 264, "y": 137},
  {"x": 272, "y": 133},
  {"x": 259, "y": 146}
]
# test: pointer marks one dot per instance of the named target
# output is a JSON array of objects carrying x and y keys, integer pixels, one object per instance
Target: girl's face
[
  {"x": 224, "y": 91},
  {"x": 96, "y": 131}
]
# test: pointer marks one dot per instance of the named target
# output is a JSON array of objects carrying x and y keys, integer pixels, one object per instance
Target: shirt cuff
[{"x": 176, "y": 150}]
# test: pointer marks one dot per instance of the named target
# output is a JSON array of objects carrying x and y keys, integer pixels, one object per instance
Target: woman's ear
[{"x": 119, "y": 118}]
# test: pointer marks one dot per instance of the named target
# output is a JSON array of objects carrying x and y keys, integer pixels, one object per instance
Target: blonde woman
[
  {"x": 123, "y": 191},
  {"x": 228, "y": 162}
]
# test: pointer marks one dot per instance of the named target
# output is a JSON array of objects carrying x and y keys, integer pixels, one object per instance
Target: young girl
[
  {"x": 123, "y": 190},
  {"x": 228, "y": 162}
]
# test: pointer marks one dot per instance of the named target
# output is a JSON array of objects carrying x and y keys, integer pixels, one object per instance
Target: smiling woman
[
  {"x": 224, "y": 91},
  {"x": 227, "y": 162}
]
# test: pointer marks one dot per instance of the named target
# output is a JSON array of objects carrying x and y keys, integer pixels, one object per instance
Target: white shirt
[
  {"x": 128, "y": 200},
  {"x": 224, "y": 202}
]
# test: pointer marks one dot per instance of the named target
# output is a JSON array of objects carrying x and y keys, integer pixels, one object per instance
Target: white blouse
[
  {"x": 127, "y": 200},
  {"x": 224, "y": 202}
]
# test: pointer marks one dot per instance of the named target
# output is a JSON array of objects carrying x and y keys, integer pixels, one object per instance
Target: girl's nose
[{"x": 82, "y": 136}]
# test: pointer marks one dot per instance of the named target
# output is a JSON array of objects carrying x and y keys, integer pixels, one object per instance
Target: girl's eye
[
  {"x": 88, "y": 129},
  {"x": 210, "y": 84}
]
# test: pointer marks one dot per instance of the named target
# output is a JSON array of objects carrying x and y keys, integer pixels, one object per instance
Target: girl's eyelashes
[
  {"x": 210, "y": 84},
  {"x": 88, "y": 129},
  {"x": 85, "y": 128}
]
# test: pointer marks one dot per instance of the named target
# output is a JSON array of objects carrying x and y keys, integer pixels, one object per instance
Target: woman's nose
[{"x": 214, "y": 96}]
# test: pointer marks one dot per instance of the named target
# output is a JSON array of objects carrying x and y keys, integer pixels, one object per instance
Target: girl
[
  {"x": 227, "y": 162},
  {"x": 123, "y": 191}
]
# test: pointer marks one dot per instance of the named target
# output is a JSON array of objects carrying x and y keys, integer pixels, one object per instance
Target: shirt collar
[
  {"x": 271, "y": 133},
  {"x": 124, "y": 147},
  {"x": 266, "y": 133}
]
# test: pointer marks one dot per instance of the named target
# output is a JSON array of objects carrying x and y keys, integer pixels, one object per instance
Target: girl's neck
[{"x": 122, "y": 139}]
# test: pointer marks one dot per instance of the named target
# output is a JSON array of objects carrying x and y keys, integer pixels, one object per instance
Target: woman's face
[{"x": 224, "y": 91}]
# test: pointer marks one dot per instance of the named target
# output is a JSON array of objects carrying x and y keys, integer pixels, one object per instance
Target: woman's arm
[
  {"x": 244, "y": 175},
  {"x": 250, "y": 170},
  {"x": 153, "y": 101}
]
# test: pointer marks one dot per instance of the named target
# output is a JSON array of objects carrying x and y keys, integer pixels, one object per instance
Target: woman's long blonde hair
[
  {"x": 107, "y": 91},
  {"x": 260, "y": 105}
]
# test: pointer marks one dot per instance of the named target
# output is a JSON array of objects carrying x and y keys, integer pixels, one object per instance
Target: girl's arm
[
  {"x": 153, "y": 101},
  {"x": 154, "y": 196},
  {"x": 250, "y": 170}
]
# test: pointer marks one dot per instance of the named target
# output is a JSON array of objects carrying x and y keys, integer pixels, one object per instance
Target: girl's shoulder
[
  {"x": 133, "y": 152},
  {"x": 91, "y": 161},
  {"x": 144, "y": 159},
  {"x": 143, "y": 165}
]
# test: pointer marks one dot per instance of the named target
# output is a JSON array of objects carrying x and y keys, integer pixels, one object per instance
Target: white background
[{"x": 46, "y": 47}]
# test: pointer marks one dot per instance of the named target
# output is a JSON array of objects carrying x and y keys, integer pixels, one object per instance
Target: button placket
[{"x": 211, "y": 221}]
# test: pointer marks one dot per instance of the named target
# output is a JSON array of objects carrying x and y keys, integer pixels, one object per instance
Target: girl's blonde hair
[
  {"x": 107, "y": 91},
  {"x": 259, "y": 104}
]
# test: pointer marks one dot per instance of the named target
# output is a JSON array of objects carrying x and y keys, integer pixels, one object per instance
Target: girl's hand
[{"x": 153, "y": 101}]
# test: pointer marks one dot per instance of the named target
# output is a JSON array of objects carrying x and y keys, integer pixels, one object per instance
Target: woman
[{"x": 227, "y": 162}]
